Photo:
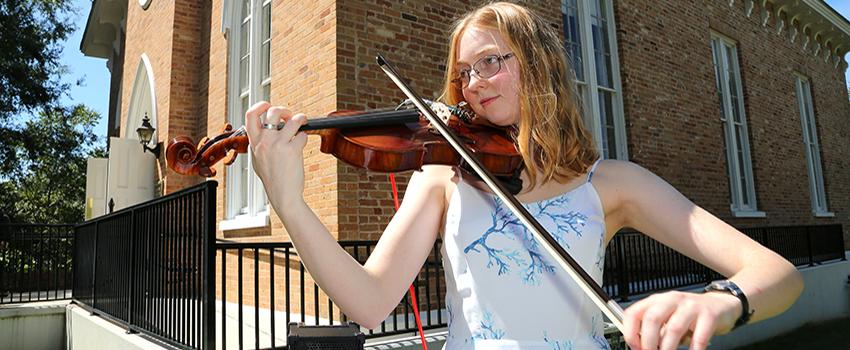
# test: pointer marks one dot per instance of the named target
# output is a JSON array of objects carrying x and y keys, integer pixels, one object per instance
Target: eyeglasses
[{"x": 484, "y": 68}]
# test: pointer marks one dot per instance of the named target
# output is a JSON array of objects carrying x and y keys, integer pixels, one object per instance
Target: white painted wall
[
  {"x": 38, "y": 325},
  {"x": 91, "y": 332},
  {"x": 96, "y": 201}
]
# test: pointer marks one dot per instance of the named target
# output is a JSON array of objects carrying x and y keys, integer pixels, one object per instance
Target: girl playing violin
[{"x": 503, "y": 290}]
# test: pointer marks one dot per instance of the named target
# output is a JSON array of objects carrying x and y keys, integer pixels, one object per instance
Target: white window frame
[
  {"x": 254, "y": 212},
  {"x": 735, "y": 131},
  {"x": 817, "y": 188},
  {"x": 592, "y": 115}
]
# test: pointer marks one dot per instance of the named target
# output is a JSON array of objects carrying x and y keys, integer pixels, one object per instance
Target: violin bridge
[{"x": 442, "y": 111}]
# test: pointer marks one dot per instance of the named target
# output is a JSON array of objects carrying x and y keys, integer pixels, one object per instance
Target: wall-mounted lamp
[{"x": 145, "y": 134}]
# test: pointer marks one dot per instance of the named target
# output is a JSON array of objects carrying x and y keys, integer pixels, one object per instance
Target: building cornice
[
  {"x": 829, "y": 13},
  {"x": 822, "y": 32},
  {"x": 103, "y": 28}
]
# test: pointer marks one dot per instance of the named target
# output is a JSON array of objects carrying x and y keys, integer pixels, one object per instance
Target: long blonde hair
[{"x": 550, "y": 134}]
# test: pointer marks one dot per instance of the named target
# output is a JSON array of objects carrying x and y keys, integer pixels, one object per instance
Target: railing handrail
[
  {"x": 28, "y": 224},
  {"x": 197, "y": 188}
]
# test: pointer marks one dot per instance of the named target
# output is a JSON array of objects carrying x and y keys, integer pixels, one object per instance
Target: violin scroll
[
  {"x": 184, "y": 158},
  {"x": 180, "y": 156}
]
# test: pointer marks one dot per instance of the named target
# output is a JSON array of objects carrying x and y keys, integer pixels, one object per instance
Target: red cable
[{"x": 412, "y": 291}]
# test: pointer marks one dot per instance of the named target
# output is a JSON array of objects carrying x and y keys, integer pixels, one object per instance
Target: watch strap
[{"x": 730, "y": 287}]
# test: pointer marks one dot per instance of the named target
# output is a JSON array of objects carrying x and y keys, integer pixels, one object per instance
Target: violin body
[
  {"x": 377, "y": 142},
  {"x": 404, "y": 147}
]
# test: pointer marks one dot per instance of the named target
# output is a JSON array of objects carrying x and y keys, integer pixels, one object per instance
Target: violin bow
[{"x": 602, "y": 300}]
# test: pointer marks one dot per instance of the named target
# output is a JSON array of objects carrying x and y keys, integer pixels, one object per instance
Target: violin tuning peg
[
  {"x": 203, "y": 142},
  {"x": 227, "y": 127},
  {"x": 206, "y": 172},
  {"x": 230, "y": 157}
]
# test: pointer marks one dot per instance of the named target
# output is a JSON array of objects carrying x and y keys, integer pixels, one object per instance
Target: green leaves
[
  {"x": 42, "y": 158},
  {"x": 47, "y": 181},
  {"x": 31, "y": 47}
]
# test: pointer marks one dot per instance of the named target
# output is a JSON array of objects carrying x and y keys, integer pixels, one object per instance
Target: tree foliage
[
  {"x": 33, "y": 31},
  {"x": 43, "y": 159},
  {"x": 48, "y": 182}
]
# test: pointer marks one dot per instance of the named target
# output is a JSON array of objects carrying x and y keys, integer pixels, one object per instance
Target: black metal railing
[
  {"x": 301, "y": 299},
  {"x": 635, "y": 264},
  {"x": 35, "y": 262},
  {"x": 148, "y": 267},
  {"x": 152, "y": 268}
]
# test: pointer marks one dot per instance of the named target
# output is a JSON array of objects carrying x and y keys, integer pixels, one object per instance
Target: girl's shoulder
[
  {"x": 613, "y": 172},
  {"x": 617, "y": 180}
]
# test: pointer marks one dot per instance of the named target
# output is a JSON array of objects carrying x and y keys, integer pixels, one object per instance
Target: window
[
  {"x": 810, "y": 141},
  {"x": 249, "y": 41},
  {"x": 591, "y": 46},
  {"x": 734, "y": 121}
]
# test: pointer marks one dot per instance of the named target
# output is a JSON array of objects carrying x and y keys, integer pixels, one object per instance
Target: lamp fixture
[{"x": 145, "y": 133}]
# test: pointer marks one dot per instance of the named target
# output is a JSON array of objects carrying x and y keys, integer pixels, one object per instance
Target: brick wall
[
  {"x": 413, "y": 35},
  {"x": 673, "y": 116}
]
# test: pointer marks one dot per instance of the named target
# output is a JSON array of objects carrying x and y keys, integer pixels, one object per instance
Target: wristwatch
[{"x": 727, "y": 286}]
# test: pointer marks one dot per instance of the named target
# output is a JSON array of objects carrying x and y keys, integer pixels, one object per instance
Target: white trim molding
[
  {"x": 597, "y": 71},
  {"x": 733, "y": 118},
  {"x": 811, "y": 143},
  {"x": 249, "y": 81},
  {"x": 142, "y": 101},
  {"x": 242, "y": 222}
]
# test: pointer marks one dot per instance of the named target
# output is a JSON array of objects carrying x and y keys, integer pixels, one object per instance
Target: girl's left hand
[{"x": 664, "y": 320}]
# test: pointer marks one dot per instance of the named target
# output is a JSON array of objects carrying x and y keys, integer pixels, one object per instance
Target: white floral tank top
[{"x": 503, "y": 290}]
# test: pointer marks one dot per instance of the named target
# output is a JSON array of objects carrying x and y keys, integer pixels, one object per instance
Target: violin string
[{"x": 456, "y": 110}]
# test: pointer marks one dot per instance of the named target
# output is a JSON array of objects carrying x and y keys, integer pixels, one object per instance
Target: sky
[{"x": 94, "y": 92}]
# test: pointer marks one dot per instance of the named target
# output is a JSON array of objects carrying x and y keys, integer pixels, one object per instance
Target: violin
[{"x": 382, "y": 141}]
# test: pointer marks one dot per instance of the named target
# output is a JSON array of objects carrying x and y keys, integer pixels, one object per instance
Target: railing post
[
  {"x": 94, "y": 271},
  {"x": 207, "y": 319},
  {"x": 809, "y": 245},
  {"x": 623, "y": 280},
  {"x": 132, "y": 271}
]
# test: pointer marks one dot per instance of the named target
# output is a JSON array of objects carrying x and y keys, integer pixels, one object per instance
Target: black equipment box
[{"x": 346, "y": 336}]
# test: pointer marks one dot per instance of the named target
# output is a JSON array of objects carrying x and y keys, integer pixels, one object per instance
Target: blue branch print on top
[
  {"x": 487, "y": 329},
  {"x": 594, "y": 334},
  {"x": 505, "y": 224},
  {"x": 600, "y": 258},
  {"x": 501, "y": 220},
  {"x": 558, "y": 345}
]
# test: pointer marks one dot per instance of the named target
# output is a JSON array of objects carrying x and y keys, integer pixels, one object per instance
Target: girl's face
[{"x": 495, "y": 98}]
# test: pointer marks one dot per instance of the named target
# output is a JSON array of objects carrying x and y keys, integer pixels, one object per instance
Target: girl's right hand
[{"x": 278, "y": 155}]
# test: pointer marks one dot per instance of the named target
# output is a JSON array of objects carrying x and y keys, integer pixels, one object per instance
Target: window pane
[
  {"x": 267, "y": 92},
  {"x": 606, "y": 116},
  {"x": 599, "y": 28},
  {"x": 243, "y": 186},
  {"x": 246, "y": 10},
  {"x": 731, "y": 59},
  {"x": 243, "y": 165},
  {"x": 572, "y": 36},
  {"x": 742, "y": 166},
  {"x": 267, "y": 8},
  {"x": 244, "y": 56},
  {"x": 718, "y": 76},
  {"x": 241, "y": 118},
  {"x": 582, "y": 100}
]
